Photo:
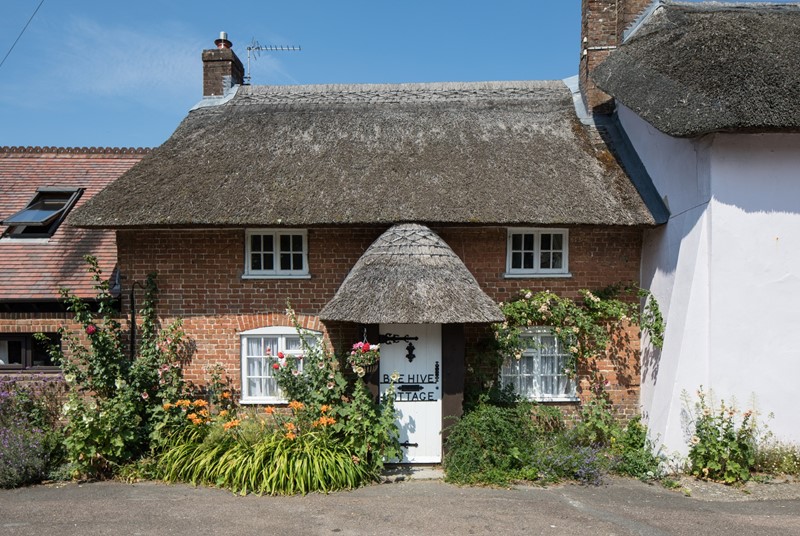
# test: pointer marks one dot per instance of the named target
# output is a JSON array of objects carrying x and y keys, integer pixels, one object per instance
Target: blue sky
[{"x": 107, "y": 73}]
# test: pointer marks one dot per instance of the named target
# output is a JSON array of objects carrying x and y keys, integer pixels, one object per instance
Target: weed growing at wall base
[{"x": 724, "y": 442}]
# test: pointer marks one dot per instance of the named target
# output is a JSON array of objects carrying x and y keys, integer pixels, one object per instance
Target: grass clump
[{"x": 777, "y": 458}]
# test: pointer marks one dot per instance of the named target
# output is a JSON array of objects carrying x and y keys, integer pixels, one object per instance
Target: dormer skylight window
[{"x": 42, "y": 216}]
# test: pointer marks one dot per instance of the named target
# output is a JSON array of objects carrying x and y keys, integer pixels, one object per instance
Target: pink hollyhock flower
[
  {"x": 91, "y": 329},
  {"x": 145, "y": 396}
]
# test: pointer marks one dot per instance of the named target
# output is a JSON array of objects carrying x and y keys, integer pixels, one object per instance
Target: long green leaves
[{"x": 274, "y": 465}]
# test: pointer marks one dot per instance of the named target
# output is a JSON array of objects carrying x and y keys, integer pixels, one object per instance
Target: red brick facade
[{"x": 200, "y": 280}]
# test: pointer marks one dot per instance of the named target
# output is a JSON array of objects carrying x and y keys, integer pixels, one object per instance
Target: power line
[{"x": 20, "y": 33}]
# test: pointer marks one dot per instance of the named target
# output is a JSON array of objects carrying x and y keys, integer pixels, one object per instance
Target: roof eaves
[
  {"x": 635, "y": 169},
  {"x": 624, "y": 150}
]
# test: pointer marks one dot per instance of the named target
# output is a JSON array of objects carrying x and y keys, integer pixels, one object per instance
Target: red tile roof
[{"x": 35, "y": 269}]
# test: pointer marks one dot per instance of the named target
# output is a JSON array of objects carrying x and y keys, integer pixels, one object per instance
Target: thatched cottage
[
  {"x": 405, "y": 213},
  {"x": 438, "y": 200},
  {"x": 709, "y": 95}
]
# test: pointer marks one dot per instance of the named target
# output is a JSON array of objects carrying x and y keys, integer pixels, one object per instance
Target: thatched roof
[
  {"x": 491, "y": 153},
  {"x": 692, "y": 69},
  {"x": 410, "y": 276}
]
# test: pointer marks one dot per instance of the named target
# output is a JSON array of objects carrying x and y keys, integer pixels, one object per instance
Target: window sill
[
  {"x": 29, "y": 370},
  {"x": 536, "y": 275},
  {"x": 568, "y": 399},
  {"x": 262, "y": 401},
  {"x": 279, "y": 276}
]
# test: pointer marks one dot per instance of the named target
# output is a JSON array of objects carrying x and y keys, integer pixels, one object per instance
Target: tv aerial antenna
[{"x": 254, "y": 50}]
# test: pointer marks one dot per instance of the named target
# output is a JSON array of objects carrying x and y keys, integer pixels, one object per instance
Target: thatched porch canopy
[{"x": 410, "y": 276}]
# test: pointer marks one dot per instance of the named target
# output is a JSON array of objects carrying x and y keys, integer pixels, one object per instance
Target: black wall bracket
[{"x": 391, "y": 338}]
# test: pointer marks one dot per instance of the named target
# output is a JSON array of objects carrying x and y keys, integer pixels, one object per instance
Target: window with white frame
[
  {"x": 537, "y": 251},
  {"x": 539, "y": 374},
  {"x": 276, "y": 253},
  {"x": 262, "y": 349}
]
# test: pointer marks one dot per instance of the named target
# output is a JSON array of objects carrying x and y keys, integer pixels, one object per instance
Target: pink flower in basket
[{"x": 364, "y": 355}]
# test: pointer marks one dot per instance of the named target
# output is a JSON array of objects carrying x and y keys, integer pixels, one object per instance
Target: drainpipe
[{"x": 133, "y": 318}]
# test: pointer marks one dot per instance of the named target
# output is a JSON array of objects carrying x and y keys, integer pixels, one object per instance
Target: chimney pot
[{"x": 223, "y": 42}]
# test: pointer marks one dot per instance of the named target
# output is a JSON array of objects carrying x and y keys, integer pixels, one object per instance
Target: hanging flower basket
[{"x": 364, "y": 357}]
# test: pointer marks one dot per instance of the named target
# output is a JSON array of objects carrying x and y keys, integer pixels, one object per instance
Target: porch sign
[{"x": 414, "y": 352}]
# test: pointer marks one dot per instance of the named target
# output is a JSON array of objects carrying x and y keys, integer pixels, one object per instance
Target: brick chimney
[
  {"x": 222, "y": 69},
  {"x": 602, "y": 25}
]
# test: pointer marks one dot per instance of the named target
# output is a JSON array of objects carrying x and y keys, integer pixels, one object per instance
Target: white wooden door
[{"x": 414, "y": 352}]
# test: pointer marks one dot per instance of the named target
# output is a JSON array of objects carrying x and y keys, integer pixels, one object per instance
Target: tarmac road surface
[{"x": 415, "y": 507}]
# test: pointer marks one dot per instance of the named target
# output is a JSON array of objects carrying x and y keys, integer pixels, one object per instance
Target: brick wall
[
  {"x": 602, "y": 25},
  {"x": 200, "y": 280}
]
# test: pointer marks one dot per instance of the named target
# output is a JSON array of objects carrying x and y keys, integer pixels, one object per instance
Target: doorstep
[{"x": 400, "y": 473}]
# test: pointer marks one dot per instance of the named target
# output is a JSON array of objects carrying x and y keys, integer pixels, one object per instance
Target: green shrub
[
  {"x": 721, "y": 449},
  {"x": 634, "y": 454},
  {"x": 497, "y": 445},
  {"x": 597, "y": 424},
  {"x": 113, "y": 404},
  {"x": 489, "y": 445}
]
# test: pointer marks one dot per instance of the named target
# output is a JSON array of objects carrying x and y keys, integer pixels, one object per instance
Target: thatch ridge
[
  {"x": 484, "y": 153},
  {"x": 409, "y": 275},
  {"x": 692, "y": 69}
]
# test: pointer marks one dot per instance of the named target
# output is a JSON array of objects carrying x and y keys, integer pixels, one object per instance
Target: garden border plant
[
  {"x": 31, "y": 439},
  {"x": 587, "y": 327},
  {"x": 331, "y": 436},
  {"x": 113, "y": 403}
]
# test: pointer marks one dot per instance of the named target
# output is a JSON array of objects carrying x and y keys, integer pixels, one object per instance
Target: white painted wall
[
  {"x": 726, "y": 272},
  {"x": 755, "y": 275}
]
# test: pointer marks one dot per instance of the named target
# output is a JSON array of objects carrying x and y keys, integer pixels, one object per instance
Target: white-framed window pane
[
  {"x": 261, "y": 348},
  {"x": 293, "y": 344},
  {"x": 533, "y": 251},
  {"x": 539, "y": 373},
  {"x": 272, "y": 253},
  {"x": 258, "y": 353}
]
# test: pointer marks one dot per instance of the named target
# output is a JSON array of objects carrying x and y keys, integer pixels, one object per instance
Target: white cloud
[{"x": 113, "y": 61}]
